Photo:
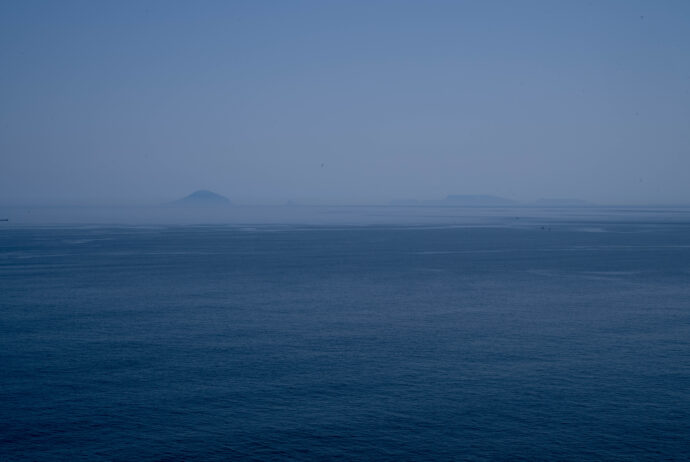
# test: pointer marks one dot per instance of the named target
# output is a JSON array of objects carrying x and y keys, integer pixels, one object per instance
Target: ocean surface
[{"x": 548, "y": 338}]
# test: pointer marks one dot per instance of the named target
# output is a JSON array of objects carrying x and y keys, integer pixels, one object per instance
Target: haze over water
[
  {"x": 449, "y": 230},
  {"x": 358, "y": 102}
]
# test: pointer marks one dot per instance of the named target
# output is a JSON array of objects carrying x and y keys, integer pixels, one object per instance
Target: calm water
[{"x": 210, "y": 343}]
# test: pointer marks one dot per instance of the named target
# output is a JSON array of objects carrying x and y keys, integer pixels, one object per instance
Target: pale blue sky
[{"x": 139, "y": 102}]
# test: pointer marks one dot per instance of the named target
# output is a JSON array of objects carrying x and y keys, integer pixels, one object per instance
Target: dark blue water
[{"x": 215, "y": 343}]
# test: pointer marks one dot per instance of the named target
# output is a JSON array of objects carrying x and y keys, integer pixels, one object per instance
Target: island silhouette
[{"x": 202, "y": 198}]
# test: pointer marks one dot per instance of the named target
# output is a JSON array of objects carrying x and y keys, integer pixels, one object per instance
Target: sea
[{"x": 392, "y": 333}]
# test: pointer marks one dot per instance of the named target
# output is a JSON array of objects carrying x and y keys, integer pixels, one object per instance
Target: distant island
[
  {"x": 487, "y": 200},
  {"x": 202, "y": 198}
]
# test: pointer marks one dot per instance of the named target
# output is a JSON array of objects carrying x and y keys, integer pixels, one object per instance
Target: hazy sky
[{"x": 121, "y": 102}]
